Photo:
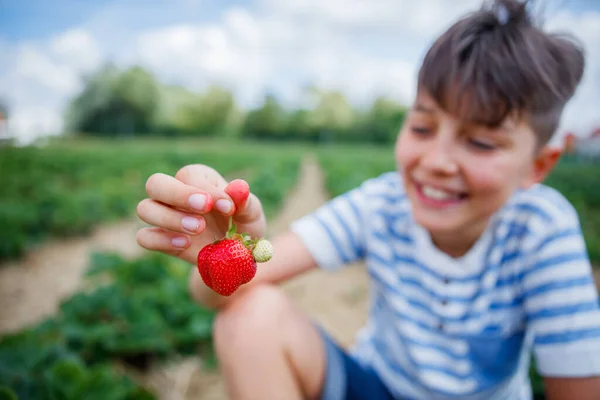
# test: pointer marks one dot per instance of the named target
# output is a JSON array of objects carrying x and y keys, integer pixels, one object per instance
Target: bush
[{"x": 136, "y": 312}]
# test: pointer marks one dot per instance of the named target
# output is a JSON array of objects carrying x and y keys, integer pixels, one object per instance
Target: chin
[{"x": 436, "y": 223}]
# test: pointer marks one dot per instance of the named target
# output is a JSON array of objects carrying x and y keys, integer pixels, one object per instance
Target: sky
[{"x": 365, "y": 48}]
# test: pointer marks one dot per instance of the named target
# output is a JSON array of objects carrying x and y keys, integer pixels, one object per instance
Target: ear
[{"x": 543, "y": 163}]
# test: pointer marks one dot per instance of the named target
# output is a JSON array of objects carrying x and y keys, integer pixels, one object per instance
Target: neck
[{"x": 458, "y": 245}]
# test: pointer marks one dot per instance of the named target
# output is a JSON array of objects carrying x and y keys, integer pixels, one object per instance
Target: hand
[{"x": 180, "y": 228}]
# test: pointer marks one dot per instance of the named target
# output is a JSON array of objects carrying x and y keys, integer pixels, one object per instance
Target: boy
[{"x": 473, "y": 263}]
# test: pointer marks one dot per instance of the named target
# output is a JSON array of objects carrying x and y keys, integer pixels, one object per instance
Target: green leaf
[
  {"x": 103, "y": 262},
  {"x": 66, "y": 380},
  {"x": 201, "y": 326},
  {"x": 6, "y": 393}
]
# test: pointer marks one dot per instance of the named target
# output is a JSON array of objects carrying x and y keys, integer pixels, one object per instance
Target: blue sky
[
  {"x": 35, "y": 19},
  {"x": 363, "y": 48}
]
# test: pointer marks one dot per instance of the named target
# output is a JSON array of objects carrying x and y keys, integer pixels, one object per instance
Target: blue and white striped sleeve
[
  {"x": 561, "y": 305},
  {"x": 334, "y": 233}
]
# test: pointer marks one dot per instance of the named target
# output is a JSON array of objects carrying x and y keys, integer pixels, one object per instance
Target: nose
[{"x": 438, "y": 157}]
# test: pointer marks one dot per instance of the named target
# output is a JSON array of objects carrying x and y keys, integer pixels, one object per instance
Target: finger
[
  {"x": 172, "y": 243},
  {"x": 238, "y": 190},
  {"x": 202, "y": 176},
  {"x": 175, "y": 193},
  {"x": 199, "y": 174},
  {"x": 248, "y": 207},
  {"x": 159, "y": 215},
  {"x": 158, "y": 239},
  {"x": 250, "y": 212}
]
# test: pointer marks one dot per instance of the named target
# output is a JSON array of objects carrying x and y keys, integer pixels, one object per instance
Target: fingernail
[
  {"x": 223, "y": 206},
  {"x": 198, "y": 201},
  {"x": 190, "y": 223},
  {"x": 179, "y": 242}
]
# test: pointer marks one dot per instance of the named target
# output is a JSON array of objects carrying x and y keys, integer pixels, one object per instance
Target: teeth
[{"x": 437, "y": 194}]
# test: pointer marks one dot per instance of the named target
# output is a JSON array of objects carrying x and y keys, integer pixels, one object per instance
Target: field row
[
  {"x": 134, "y": 313},
  {"x": 70, "y": 187}
]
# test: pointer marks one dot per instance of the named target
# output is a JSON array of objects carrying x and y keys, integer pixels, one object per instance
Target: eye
[
  {"x": 420, "y": 130},
  {"x": 482, "y": 145}
]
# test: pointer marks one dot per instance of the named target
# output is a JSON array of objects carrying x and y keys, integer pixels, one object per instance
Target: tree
[
  {"x": 300, "y": 125},
  {"x": 115, "y": 103},
  {"x": 333, "y": 116},
  {"x": 383, "y": 121},
  {"x": 267, "y": 121},
  {"x": 212, "y": 113}
]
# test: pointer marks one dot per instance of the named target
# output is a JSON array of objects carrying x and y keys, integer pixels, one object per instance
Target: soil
[{"x": 31, "y": 288}]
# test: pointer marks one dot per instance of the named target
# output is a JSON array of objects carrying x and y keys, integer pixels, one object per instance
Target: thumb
[
  {"x": 238, "y": 190},
  {"x": 248, "y": 207}
]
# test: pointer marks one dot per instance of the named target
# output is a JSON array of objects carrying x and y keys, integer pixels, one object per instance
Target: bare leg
[{"x": 268, "y": 349}]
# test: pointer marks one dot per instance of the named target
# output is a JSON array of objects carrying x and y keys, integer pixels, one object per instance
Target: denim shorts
[{"x": 346, "y": 379}]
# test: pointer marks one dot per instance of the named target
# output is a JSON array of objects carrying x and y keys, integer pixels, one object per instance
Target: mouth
[{"x": 439, "y": 197}]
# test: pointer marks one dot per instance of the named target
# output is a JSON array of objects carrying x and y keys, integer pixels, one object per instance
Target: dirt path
[
  {"x": 337, "y": 301},
  {"x": 31, "y": 288}
]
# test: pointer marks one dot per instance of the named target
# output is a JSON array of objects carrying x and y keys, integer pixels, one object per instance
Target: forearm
[
  {"x": 572, "y": 388},
  {"x": 290, "y": 259}
]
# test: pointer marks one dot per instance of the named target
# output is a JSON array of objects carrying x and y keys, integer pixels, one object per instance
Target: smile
[{"x": 438, "y": 197}]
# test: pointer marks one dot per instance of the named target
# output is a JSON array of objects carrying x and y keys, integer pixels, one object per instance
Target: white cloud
[
  {"x": 419, "y": 18},
  {"x": 362, "y": 48},
  {"x": 76, "y": 48},
  {"x": 276, "y": 49},
  {"x": 30, "y": 121},
  {"x": 39, "y": 78},
  {"x": 228, "y": 54},
  {"x": 38, "y": 68}
]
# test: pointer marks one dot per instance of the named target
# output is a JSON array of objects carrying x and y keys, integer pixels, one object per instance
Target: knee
[{"x": 250, "y": 317}]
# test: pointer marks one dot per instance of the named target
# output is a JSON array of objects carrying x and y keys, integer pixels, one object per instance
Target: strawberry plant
[
  {"x": 144, "y": 314},
  {"x": 38, "y": 364},
  {"x": 69, "y": 187},
  {"x": 348, "y": 166},
  {"x": 135, "y": 312}
]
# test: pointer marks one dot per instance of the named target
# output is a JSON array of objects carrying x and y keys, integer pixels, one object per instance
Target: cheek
[
  {"x": 494, "y": 177},
  {"x": 404, "y": 151}
]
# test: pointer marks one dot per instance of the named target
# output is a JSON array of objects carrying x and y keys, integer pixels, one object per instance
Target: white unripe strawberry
[{"x": 263, "y": 251}]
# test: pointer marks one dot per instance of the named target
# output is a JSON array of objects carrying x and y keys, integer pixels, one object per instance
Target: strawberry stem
[{"x": 245, "y": 238}]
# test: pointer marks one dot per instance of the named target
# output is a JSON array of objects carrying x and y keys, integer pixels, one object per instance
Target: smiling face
[
  {"x": 458, "y": 175},
  {"x": 490, "y": 97}
]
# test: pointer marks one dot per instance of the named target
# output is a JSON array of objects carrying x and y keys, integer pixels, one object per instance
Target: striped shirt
[{"x": 447, "y": 328}]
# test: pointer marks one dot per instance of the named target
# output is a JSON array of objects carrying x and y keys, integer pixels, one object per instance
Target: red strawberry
[
  {"x": 226, "y": 264},
  {"x": 203, "y": 257}
]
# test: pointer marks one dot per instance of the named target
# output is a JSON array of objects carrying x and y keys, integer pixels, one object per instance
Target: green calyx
[
  {"x": 245, "y": 238},
  {"x": 261, "y": 249}
]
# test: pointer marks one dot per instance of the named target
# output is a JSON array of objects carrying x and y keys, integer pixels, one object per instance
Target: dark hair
[{"x": 496, "y": 63}]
